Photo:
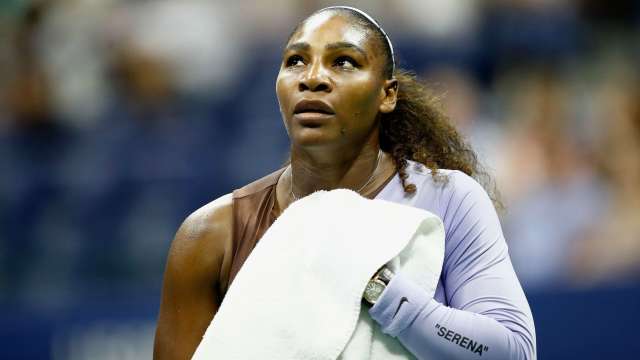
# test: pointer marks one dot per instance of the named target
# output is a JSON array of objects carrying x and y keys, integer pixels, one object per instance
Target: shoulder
[
  {"x": 451, "y": 186},
  {"x": 204, "y": 237},
  {"x": 454, "y": 179},
  {"x": 208, "y": 218},
  {"x": 465, "y": 189},
  {"x": 452, "y": 195}
]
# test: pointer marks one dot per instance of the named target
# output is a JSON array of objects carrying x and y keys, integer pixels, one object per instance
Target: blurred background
[{"x": 118, "y": 118}]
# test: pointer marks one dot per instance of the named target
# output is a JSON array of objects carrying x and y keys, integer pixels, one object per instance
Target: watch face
[{"x": 373, "y": 291}]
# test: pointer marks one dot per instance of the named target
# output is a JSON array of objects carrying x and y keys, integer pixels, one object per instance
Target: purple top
[{"x": 479, "y": 310}]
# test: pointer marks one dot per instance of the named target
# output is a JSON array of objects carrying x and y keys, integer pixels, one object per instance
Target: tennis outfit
[{"x": 479, "y": 310}]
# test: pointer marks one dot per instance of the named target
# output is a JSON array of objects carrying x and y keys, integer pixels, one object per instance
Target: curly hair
[{"x": 417, "y": 129}]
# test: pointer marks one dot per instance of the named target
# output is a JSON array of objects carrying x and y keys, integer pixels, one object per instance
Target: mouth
[
  {"x": 313, "y": 107},
  {"x": 312, "y": 113}
]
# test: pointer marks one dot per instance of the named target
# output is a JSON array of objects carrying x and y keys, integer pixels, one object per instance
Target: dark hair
[{"x": 418, "y": 129}]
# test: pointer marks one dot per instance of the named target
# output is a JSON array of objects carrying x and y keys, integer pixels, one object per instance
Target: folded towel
[{"x": 298, "y": 295}]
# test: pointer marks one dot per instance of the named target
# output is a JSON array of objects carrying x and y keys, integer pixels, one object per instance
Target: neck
[{"x": 333, "y": 168}]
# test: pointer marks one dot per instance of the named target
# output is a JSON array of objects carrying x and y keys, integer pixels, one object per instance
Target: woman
[{"x": 354, "y": 122}]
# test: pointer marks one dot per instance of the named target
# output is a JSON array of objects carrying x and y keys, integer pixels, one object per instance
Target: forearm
[{"x": 429, "y": 329}]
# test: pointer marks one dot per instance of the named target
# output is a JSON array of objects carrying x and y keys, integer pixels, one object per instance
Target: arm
[
  {"x": 190, "y": 288},
  {"x": 488, "y": 316}
]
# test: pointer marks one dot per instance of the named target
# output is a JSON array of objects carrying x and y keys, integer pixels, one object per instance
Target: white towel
[{"x": 298, "y": 295}]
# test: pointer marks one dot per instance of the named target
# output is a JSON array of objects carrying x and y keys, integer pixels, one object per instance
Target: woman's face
[{"x": 330, "y": 85}]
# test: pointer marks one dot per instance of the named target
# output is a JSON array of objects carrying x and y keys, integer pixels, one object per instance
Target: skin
[{"x": 330, "y": 59}]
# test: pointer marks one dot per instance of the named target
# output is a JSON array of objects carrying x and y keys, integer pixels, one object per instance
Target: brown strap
[{"x": 252, "y": 205}]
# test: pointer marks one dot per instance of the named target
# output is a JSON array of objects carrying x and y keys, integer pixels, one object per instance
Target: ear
[{"x": 389, "y": 95}]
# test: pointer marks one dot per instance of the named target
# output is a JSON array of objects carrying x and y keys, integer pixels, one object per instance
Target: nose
[{"x": 315, "y": 79}]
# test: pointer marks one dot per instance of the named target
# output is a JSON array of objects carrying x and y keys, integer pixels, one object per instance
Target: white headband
[{"x": 393, "y": 61}]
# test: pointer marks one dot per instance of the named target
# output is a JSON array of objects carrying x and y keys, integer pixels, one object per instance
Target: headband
[{"x": 371, "y": 20}]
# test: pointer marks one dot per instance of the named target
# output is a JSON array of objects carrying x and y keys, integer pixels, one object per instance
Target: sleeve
[{"x": 488, "y": 316}]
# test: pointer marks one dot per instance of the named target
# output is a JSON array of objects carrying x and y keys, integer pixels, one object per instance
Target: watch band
[
  {"x": 376, "y": 285},
  {"x": 384, "y": 274}
]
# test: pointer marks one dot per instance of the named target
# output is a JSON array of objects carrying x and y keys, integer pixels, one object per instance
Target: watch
[{"x": 377, "y": 284}]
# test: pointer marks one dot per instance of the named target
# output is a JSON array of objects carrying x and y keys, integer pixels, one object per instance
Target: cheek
[
  {"x": 279, "y": 94},
  {"x": 363, "y": 103},
  {"x": 283, "y": 99},
  {"x": 283, "y": 91}
]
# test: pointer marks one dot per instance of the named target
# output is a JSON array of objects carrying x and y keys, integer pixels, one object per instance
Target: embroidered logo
[{"x": 403, "y": 300}]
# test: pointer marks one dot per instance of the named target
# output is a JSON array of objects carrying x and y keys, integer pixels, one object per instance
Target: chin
[{"x": 311, "y": 137}]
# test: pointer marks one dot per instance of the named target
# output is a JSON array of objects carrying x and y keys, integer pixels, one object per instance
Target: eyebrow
[
  {"x": 303, "y": 46},
  {"x": 299, "y": 46},
  {"x": 346, "y": 45}
]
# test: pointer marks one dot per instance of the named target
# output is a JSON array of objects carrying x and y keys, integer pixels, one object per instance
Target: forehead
[{"x": 330, "y": 27}]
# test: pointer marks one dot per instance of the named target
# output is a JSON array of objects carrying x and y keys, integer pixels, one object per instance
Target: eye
[
  {"x": 295, "y": 60},
  {"x": 346, "y": 62}
]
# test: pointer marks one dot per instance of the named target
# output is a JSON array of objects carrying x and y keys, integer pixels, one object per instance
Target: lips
[{"x": 313, "y": 106}]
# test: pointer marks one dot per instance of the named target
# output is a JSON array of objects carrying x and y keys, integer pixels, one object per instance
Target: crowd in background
[{"x": 118, "y": 118}]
